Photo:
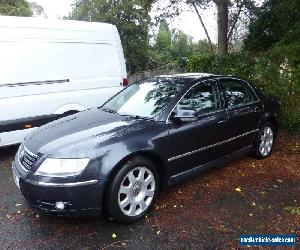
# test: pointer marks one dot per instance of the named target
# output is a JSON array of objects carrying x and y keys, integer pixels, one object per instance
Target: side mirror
[{"x": 184, "y": 115}]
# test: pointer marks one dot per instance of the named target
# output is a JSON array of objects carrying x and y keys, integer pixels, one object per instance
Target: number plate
[{"x": 16, "y": 179}]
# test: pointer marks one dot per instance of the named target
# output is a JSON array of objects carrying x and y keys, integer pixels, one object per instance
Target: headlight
[{"x": 62, "y": 167}]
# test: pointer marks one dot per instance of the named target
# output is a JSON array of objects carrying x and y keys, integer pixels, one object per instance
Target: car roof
[{"x": 190, "y": 77}]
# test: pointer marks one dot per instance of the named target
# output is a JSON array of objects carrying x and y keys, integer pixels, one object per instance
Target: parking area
[{"x": 209, "y": 212}]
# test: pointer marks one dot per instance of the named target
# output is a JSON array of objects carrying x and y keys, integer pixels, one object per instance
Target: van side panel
[
  {"x": 121, "y": 54},
  {"x": 38, "y": 61},
  {"x": 49, "y": 68}
]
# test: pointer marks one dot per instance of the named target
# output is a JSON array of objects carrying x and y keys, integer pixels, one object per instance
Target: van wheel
[
  {"x": 132, "y": 191},
  {"x": 265, "y": 141}
]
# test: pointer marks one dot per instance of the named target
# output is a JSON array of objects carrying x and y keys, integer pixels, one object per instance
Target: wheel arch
[
  {"x": 71, "y": 107},
  {"x": 157, "y": 161},
  {"x": 268, "y": 117}
]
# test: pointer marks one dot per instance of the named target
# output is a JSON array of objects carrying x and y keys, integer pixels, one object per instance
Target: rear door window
[{"x": 236, "y": 93}]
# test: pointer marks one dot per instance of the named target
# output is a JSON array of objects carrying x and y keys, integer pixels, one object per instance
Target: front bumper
[{"x": 80, "y": 197}]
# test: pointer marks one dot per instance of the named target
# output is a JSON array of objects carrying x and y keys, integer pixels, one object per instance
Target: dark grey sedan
[{"x": 150, "y": 135}]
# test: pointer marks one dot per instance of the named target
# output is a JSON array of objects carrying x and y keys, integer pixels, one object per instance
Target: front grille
[{"x": 28, "y": 159}]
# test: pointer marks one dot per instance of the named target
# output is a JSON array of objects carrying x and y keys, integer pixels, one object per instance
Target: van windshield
[{"x": 145, "y": 99}]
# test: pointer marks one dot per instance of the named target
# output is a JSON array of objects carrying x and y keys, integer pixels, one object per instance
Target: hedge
[{"x": 272, "y": 72}]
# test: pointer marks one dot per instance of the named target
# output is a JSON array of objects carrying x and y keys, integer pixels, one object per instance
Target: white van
[{"x": 52, "y": 68}]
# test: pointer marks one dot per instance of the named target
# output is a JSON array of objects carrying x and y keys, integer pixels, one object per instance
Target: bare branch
[
  {"x": 203, "y": 25},
  {"x": 234, "y": 22}
]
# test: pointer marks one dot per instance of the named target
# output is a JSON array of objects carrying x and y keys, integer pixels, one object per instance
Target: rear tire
[
  {"x": 132, "y": 191},
  {"x": 265, "y": 141}
]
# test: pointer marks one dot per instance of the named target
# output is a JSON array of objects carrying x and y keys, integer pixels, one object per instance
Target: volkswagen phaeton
[{"x": 152, "y": 134}]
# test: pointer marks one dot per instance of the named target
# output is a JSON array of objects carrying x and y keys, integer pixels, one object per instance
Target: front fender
[{"x": 156, "y": 149}]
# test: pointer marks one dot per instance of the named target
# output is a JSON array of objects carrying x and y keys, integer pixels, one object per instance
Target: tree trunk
[{"x": 222, "y": 6}]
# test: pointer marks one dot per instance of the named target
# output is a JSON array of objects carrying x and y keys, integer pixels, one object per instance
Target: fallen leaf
[
  {"x": 238, "y": 189},
  {"x": 114, "y": 236},
  {"x": 293, "y": 210},
  {"x": 251, "y": 214},
  {"x": 253, "y": 203}
]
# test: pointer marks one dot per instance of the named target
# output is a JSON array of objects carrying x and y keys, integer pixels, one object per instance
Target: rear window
[{"x": 237, "y": 93}]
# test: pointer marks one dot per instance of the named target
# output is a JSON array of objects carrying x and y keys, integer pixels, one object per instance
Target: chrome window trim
[
  {"x": 217, "y": 79},
  {"x": 73, "y": 184},
  {"x": 242, "y": 106},
  {"x": 240, "y": 80},
  {"x": 210, "y": 146},
  {"x": 253, "y": 91}
]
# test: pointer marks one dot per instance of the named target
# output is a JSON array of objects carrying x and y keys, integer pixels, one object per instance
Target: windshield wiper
[
  {"x": 137, "y": 117},
  {"x": 109, "y": 110}
]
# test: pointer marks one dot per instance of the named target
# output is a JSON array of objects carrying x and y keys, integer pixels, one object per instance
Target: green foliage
[
  {"x": 237, "y": 64},
  {"x": 278, "y": 21},
  {"x": 271, "y": 72},
  {"x": 15, "y": 8},
  {"x": 132, "y": 20},
  {"x": 37, "y": 10},
  {"x": 173, "y": 47},
  {"x": 163, "y": 42},
  {"x": 274, "y": 38}
]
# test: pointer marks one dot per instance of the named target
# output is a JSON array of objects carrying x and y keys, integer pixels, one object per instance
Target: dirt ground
[{"x": 247, "y": 196}]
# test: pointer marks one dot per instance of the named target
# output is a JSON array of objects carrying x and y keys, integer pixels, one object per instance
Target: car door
[
  {"x": 194, "y": 143},
  {"x": 244, "y": 112}
]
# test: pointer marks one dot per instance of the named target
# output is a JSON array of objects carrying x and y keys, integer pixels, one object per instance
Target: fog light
[{"x": 59, "y": 205}]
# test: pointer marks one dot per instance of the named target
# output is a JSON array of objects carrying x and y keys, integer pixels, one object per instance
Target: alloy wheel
[
  {"x": 266, "y": 141},
  {"x": 136, "y": 191}
]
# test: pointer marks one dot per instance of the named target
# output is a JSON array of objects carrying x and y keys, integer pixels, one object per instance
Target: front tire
[
  {"x": 132, "y": 191},
  {"x": 265, "y": 141}
]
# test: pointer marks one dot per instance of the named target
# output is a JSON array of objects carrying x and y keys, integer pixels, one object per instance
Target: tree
[
  {"x": 15, "y": 8},
  {"x": 37, "y": 10},
  {"x": 277, "y": 22},
  {"x": 174, "y": 47},
  {"x": 222, "y": 6},
  {"x": 182, "y": 45},
  {"x": 132, "y": 20},
  {"x": 203, "y": 47},
  {"x": 163, "y": 42},
  {"x": 230, "y": 13}
]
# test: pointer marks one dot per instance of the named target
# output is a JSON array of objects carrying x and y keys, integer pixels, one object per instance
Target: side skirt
[{"x": 220, "y": 162}]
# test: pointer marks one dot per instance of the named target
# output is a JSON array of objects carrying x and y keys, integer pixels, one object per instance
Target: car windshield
[{"x": 145, "y": 99}]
